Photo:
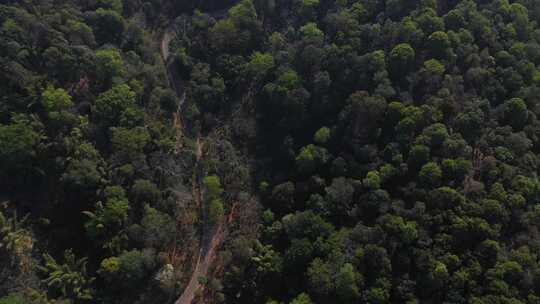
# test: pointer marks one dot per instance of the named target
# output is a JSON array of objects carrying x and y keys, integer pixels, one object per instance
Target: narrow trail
[
  {"x": 211, "y": 238},
  {"x": 172, "y": 74},
  {"x": 175, "y": 83},
  {"x": 212, "y": 235}
]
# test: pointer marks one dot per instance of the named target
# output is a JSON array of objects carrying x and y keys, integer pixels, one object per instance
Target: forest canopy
[{"x": 316, "y": 151}]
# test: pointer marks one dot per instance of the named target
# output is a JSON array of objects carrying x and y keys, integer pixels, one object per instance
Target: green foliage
[
  {"x": 347, "y": 284},
  {"x": 110, "y": 104},
  {"x": 302, "y": 298},
  {"x": 108, "y": 216},
  {"x": 299, "y": 253},
  {"x": 418, "y": 156},
  {"x": 110, "y": 266},
  {"x": 396, "y": 227},
  {"x": 310, "y": 3},
  {"x": 135, "y": 266},
  {"x": 267, "y": 260},
  {"x": 439, "y": 44},
  {"x": 526, "y": 186},
  {"x": 69, "y": 279},
  {"x": 81, "y": 33},
  {"x": 15, "y": 240},
  {"x": 109, "y": 64},
  {"x": 260, "y": 64},
  {"x": 311, "y": 157},
  {"x": 145, "y": 191},
  {"x": 56, "y": 100},
  {"x": 378, "y": 60},
  {"x": 57, "y": 104},
  {"x": 430, "y": 175},
  {"x": 434, "y": 66},
  {"x": 290, "y": 79},
  {"x": 516, "y": 113},
  {"x": 224, "y": 35},
  {"x": 215, "y": 211},
  {"x": 12, "y": 299},
  {"x": 129, "y": 142},
  {"x": 244, "y": 14},
  {"x": 108, "y": 25},
  {"x": 402, "y": 59},
  {"x": 18, "y": 145},
  {"x": 395, "y": 142},
  {"x": 213, "y": 186},
  {"x": 283, "y": 196},
  {"x": 322, "y": 136},
  {"x": 435, "y": 135},
  {"x": 158, "y": 228},
  {"x": 320, "y": 277},
  {"x": 85, "y": 169},
  {"x": 115, "y": 5},
  {"x": 310, "y": 32},
  {"x": 372, "y": 180},
  {"x": 236, "y": 33}
]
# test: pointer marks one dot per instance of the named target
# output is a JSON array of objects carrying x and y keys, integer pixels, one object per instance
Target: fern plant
[
  {"x": 14, "y": 239},
  {"x": 70, "y": 278}
]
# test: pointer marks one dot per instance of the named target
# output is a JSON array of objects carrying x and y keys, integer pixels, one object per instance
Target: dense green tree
[
  {"x": 110, "y": 104},
  {"x": 372, "y": 180},
  {"x": 58, "y": 103},
  {"x": 108, "y": 216},
  {"x": 401, "y": 59},
  {"x": 430, "y": 175},
  {"x": 18, "y": 149},
  {"x": 55, "y": 100},
  {"x": 340, "y": 195},
  {"x": 215, "y": 210},
  {"x": 347, "y": 283},
  {"x": 129, "y": 143},
  {"x": 418, "y": 156},
  {"x": 302, "y": 298},
  {"x": 320, "y": 277},
  {"x": 244, "y": 14},
  {"x": 225, "y": 36},
  {"x": 516, "y": 113},
  {"x": 354, "y": 151},
  {"x": 260, "y": 64},
  {"x": 283, "y": 196},
  {"x": 85, "y": 169},
  {"x": 439, "y": 43},
  {"x": 299, "y": 253},
  {"x": 322, "y": 136},
  {"x": 145, "y": 191},
  {"x": 109, "y": 64},
  {"x": 214, "y": 187},
  {"x": 134, "y": 266},
  {"x": 311, "y": 157},
  {"x": 158, "y": 227},
  {"x": 70, "y": 279},
  {"x": 108, "y": 25},
  {"x": 311, "y": 33},
  {"x": 434, "y": 67},
  {"x": 435, "y": 135},
  {"x": 12, "y": 299}
]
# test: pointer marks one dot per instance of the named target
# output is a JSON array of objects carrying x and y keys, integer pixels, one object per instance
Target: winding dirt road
[
  {"x": 212, "y": 235},
  {"x": 175, "y": 80}
]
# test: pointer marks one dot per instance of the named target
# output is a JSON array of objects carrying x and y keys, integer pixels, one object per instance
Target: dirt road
[
  {"x": 165, "y": 42},
  {"x": 212, "y": 235},
  {"x": 175, "y": 81}
]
